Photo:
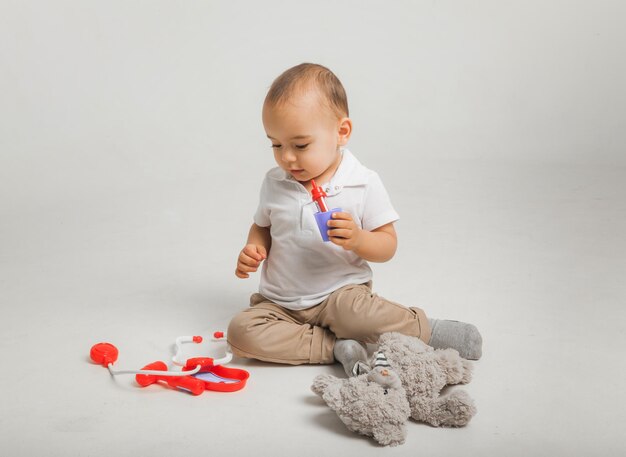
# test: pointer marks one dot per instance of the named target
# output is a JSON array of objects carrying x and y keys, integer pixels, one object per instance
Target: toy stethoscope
[{"x": 197, "y": 374}]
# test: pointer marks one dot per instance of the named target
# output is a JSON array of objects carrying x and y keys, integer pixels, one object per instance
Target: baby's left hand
[{"x": 344, "y": 232}]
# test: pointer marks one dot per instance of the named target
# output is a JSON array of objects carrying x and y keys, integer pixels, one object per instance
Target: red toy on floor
[{"x": 196, "y": 375}]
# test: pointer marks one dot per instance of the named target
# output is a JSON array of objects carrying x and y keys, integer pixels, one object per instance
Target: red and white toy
[{"x": 194, "y": 375}]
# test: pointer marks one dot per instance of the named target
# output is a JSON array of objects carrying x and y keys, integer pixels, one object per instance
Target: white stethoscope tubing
[
  {"x": 154, "y": 372},
  {"x": 189, "y": 339}
]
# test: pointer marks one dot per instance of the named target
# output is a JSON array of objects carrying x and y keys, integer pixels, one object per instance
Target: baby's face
[{"x": 305, "y": 137}]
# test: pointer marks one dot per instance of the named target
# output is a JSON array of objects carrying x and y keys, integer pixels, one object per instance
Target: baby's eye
[
  {"x": 302, "y": 146},
  {"x": 275, "y": 146}
]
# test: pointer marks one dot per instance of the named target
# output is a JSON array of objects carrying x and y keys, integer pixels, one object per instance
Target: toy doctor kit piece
[
  {"x": 195, "y": 375},
  {"x": 323, "y": 215}
]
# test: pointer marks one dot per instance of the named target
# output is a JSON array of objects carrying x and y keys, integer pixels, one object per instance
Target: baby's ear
[{"x": 344, "y": 131}]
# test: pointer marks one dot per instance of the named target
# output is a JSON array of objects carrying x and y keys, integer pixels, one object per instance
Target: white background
[{"x": 131, "y": 152}]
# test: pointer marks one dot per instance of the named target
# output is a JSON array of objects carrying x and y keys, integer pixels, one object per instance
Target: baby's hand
[
  {"x": 344, "y": 232},
  {"x": 249, "y": 260}
]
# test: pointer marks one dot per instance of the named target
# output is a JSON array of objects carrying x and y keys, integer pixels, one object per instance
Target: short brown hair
[{"x": 303, "y": 77}]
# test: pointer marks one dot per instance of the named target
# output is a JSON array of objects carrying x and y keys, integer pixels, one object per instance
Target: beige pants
[{"x": 269, "y": 332}]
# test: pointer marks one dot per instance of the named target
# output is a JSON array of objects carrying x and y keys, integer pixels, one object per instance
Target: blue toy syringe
[{"x": 323, "y": 215}]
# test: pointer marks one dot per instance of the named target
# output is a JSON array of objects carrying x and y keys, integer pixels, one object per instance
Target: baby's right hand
[{"x": 249, "y": 260}]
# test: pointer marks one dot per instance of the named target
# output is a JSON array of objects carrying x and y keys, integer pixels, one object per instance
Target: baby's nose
[
  {"x": 384, "y": 373},
  {"x": 289, "y": 156}
]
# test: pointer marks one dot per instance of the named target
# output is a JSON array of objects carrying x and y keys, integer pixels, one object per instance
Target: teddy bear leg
[
  {"x": 390, "y": 434},
  {"x": 457, "y": 369},
  {"x": 453, "y": 410}
]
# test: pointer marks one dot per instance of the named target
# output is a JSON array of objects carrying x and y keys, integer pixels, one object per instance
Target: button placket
[
  {"x": 332, "y": 189},
  {"x": 304, "y": 229}
]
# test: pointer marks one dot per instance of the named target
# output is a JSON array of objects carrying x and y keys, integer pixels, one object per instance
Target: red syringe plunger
[{"x": 318, "y": 195}]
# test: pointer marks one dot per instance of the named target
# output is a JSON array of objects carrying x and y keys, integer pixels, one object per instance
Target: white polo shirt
[{"x": 301, "y": 270}]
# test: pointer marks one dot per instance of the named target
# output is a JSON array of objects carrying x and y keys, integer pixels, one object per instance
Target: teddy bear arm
[
  {"x": 321, "y": 383},
  {"x": 453, "y": 410},
  {"x": 457, "y": 369}
]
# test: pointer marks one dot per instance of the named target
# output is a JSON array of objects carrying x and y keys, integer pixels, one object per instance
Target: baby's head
[{"x": 305, "y": 116}]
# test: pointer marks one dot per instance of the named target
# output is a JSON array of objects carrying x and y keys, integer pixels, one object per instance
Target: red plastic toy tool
[{"x": 319, "y": 195}]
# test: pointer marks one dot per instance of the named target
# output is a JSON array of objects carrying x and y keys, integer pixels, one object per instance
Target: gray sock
[
  {"x": 463, "y": 337},
  {"x": 352, "y": 355}
]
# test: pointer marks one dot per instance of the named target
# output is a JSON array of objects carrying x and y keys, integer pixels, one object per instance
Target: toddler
[{"x": 315, "y": 303}]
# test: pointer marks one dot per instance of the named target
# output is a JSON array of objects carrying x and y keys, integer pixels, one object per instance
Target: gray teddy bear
[
  {"x": 406, "y": 381},
  {"x": 372, "y": 404},
  {"x": 424, "y": 372}
]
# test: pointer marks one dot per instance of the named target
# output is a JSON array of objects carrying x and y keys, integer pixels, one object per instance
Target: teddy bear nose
[{"x": 384, "y": 373}]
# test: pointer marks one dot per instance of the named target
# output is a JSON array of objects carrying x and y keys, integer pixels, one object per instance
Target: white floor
[
  {"x": 533, "y": 254},
  {"x": 131, "y": 152}
]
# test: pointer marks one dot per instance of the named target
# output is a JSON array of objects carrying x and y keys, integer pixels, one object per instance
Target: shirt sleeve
[
  {"x": 262, "y": 215},
  {"x": 377, "y": 207}
]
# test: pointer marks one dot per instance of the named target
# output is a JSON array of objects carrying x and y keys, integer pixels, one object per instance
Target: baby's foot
[
  {"x": 352, "y": 355},
  {"x": 463, "y": 337}
]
